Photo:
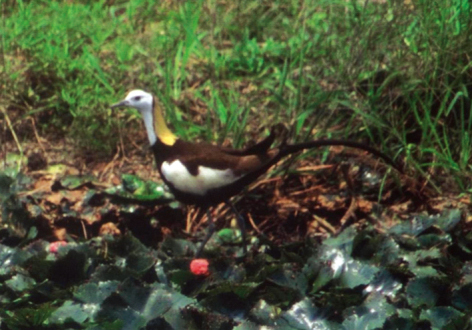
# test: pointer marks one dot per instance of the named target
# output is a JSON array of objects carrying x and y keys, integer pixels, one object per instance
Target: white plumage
[{"x": 208, "y": 178}]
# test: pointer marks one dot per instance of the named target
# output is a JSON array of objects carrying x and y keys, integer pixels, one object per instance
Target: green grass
[{"x": 395, "y": 73}]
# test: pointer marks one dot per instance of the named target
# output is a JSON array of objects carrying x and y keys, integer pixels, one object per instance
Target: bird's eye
[{"x": 137, "y": 98}]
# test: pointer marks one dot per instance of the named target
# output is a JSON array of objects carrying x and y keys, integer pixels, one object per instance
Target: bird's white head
[
  {"x": 151, "y": 111},
  {"x": 138, "y": 99}
]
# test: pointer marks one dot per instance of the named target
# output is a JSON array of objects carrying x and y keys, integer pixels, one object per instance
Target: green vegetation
[
  {"x": 394, "y": 72},
  {"x": 412, "y": 275}
]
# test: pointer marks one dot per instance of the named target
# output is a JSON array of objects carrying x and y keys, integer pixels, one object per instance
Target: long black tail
[
  {"x": 287, "y": 149},
  {"x": 293, "y": 148}
]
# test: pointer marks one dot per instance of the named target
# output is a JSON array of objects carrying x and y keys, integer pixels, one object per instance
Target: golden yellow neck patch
[{"x": 163, "y": 133}]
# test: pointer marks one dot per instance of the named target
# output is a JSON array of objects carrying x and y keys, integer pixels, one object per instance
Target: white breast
[{"x": 207, "y": 178}]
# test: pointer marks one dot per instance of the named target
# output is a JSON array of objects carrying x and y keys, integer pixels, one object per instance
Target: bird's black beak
[{"x": 123, "y": 103}]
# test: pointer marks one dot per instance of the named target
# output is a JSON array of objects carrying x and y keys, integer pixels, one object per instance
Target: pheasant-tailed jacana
[{"x": 206, "y": 175}]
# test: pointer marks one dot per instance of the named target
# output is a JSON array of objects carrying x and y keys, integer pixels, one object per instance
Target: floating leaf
[
  {"x": 448, "y": 220},
  {"x": 95, "y": 293},
  {"x": 178, "y": 247},
  {"x": 69, "y": 311},
  {"x": 263, "y": 313},
  {"x": 413, "y": 227},
  {"x": 440, "y": 316},
  {"x": 20, "y": 283},
  {"x": 356, "y": 273},
  {"x": 462, "y": 297},
  {"x": 423, "y": 291},
  {"x": 384, "y": 283},
  {"x": 367, "y": 321},
  {"x": 304, "y": 315}
]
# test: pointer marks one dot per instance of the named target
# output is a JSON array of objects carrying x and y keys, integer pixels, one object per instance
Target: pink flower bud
[
  {"x": 54, "y": 246},
  {"x": 199, "y": 267}
]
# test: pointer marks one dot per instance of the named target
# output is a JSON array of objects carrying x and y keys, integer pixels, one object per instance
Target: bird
[{"x": 206, "y": 175}]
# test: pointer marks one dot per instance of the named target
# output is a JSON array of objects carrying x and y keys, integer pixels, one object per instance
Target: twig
[
  {"x": 37, "y": 136},
  {"x": 350, "y": 211},
  {"x": 15, "y": 137},
  {"x": 325, "y": 224},
  {"x": 110, "y": 164},
  {"x": 251, "y": 221},
  {"x": 83, "y": 228}
]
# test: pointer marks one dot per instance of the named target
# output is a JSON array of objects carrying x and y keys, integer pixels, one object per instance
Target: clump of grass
[{"x": 395, "y": 73}]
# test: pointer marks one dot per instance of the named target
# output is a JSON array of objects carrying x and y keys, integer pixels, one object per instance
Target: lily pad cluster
[{"x": 415, "y": 275}]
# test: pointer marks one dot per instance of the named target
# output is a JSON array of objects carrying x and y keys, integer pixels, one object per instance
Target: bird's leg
[
  {"x": 211, "y": 230},
  {"x": 241, "y": 224}
]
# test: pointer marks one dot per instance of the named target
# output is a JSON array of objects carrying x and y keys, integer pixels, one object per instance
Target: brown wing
[{"x": 193, "y": 155}]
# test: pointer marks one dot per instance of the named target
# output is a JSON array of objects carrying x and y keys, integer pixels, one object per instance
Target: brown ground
[{"x": 301, "y": 198}]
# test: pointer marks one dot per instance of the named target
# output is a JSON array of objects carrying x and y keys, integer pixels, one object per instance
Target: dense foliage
[
  {"x": 80, "y": 253},
  {"x": 414, "y": 274}
]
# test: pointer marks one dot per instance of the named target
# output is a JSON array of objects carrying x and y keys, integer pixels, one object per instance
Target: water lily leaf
[
  {"x": 110, "y": 273},
  {"x": 104, "y": 325},
  {"x": 140, "y": 263},
  {"x": 462, "y": 297},
  {"x": 6, "y": 185},
  {"x": 128, "y": 318},
  {"x": 9, "y": 258},
  {"x": 305, "y": 316},
  {"x": 20, "y": 283},
  {"x": 127, "y": 244},
  {"x": 331, "y": 263},
  {"x": 418, "y": 224},
  {"x": 69, "y": 311},
  {"x": 265, "y": 314},
  {"x": 325, "y": 275},
  {"x": 178, "y": 247},
  {"x": 356, "y": 273},
  {"x": 375, "y": 308},
  {"x": 440, "y": 316},
  {"x": 70, "y": 268},
  {"x": 286, "y": 276},
  {"x": 423, "y": 291},
  {"x": 448, "y": 219},
  {"x": 95, "y": 293},
  {"x": 384, "y": 283},
  {"x": 367, "y": 321},
  {"x": 159, "y": 323},
  {"x": 248, "y": 325},
  {"x": 155, "y": 301},
  {"x": 343, "y": 241},
  {"x": 413, "y": 227},
  {"x": 228, "y": 304},
  {"x": 15, "y": 215},
  {"x": 366, "y": 244},
  {"x": 418, "y": 260},
  {"x": 396, "y": 322},
  {"x": 242, "y": 290},
  {"x": 200, "y": 318},
  {"x": 466, "y": 272},
  {"x": 427, "y": 241}
]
